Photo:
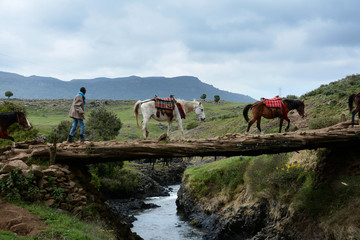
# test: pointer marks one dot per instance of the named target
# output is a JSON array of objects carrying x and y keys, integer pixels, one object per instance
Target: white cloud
[{"x": 251, "y": 47}]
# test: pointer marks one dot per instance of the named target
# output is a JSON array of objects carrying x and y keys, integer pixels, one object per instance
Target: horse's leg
[
  {"x": 281, "y": 123},
  {"x": 179, "y": 122},
  {"x": 144, "y": 128},
  {"x": 251, "y": 122},
  {"x": 169, "y": 128},
  {"x": 258, "y": 121},
  {"x": 353, "y": 117},
  {"x": 288, "y": 126},
  {"x": 4, "y": 135}
]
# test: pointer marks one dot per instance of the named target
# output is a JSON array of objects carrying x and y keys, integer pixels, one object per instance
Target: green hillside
[{"x": 323, "y": 107}]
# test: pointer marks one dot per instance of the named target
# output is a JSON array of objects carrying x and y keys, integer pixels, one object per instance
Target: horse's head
[
  {"x": 22, "y": 120},
  {"x": 301, "y": 108},
  {"x": 199, "y": 111}
]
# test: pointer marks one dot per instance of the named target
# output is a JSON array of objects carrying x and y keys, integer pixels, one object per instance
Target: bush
[
  {"x": 19, "y": 187},
  {"x": 62, "y": 131},
  {"x": 223, "y": 176},
  {"x": 103, "y": 125},
  {"x": 192, "y": 125},
  {"x": 123, "y": 185},
  {"x": 322, "y": 122}
]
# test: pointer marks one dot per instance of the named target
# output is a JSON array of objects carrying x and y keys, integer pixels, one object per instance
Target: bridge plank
[{"x": 232, "y": 144}]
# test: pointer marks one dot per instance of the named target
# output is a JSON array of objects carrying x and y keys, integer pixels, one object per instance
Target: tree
[
  {"x": 103, "y": 125},
  {"x": 8, "y": 94},
  {"x": 203, "y": 96},
  {"x": 62, "y": 132},
  {"x": 216, "y": 98}
]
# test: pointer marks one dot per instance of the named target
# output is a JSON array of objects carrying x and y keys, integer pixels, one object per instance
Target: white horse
[{"x": 149, "y": 110}]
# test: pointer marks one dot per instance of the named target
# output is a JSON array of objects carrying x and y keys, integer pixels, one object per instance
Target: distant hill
[{"x": 126, "y": 88}]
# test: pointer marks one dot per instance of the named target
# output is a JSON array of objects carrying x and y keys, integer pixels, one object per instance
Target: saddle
[
  {"x": 273, "y": 102},
  {"x": 276, "y": 102},
  {"x": 165, "y": 103},
  {"x": 167, "y": 106}
]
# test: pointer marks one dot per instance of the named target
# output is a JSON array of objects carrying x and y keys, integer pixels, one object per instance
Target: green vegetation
[
  {"x": 51, "y": 116},
  {"x": 19, "y": 187},
  {"x": 221, "y": 182},
  {"x": 62, "y": 226},
  {"x": 203, "y": 96},
  {"x": 224, "y": 176},
  {"x": 103, "y": 125},
  {"x": 113, "y": 179},
  {"x": 9, "y": 94},
  {"x": 325, "y": 104}
]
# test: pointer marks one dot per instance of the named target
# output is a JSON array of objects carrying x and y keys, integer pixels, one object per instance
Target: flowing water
[{"x": 163, "y": 223}]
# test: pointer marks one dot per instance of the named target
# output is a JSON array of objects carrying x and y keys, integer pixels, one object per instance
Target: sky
[{"x": 259, "y": 48}]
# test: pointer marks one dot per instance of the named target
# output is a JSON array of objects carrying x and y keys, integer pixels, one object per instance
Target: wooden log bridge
[{"x": 229, "y": 145}]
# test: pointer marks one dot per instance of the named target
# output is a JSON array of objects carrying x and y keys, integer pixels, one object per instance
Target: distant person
[{"x": 77, "y": 113}]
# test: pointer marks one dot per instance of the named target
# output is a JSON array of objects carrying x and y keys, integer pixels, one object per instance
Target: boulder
[
  {"x": 19, "y": 164},
  {"x": 49, "y": 172},
  {"x": 7, "y": 168},
  {"x": 37, "y": 170},
  {"x": 49, "y": 202}
]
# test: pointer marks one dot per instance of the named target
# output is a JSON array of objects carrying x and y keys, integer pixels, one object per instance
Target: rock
[
  {"x": 49, "y": 172},
  {"x": 37, "y": 170},
  {"x": 4, "y": 177},
  {"x": 7, "y": 168},
  {"x": 12, "y": 165},
  {"x": 78, "y": 210},
  {"x": 49, "y": 202},
  {"x": 19, "y": 164}
]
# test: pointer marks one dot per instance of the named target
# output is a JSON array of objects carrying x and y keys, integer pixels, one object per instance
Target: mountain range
[{"x": 125, "y": 88}]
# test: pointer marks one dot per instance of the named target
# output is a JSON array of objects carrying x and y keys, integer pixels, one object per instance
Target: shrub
[
  {"x": 103, "y": 125},
  {"x": 192, "y": 125},
  {"x": 62, "y": 131},
  {"x": 211, "y": 179},
  {"x": 322, "y": 122},
  {"x": 123, "y": 185},
  {"x": 19, "y": 187}
]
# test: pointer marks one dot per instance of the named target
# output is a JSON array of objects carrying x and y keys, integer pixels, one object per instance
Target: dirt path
[{"x": 19, "y": 220}]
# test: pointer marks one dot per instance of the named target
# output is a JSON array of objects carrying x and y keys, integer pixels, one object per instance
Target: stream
[{"x": 164, "y": 223}]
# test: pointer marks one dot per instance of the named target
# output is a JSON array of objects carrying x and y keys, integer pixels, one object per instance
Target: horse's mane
[{"x": 293, "y": 104}]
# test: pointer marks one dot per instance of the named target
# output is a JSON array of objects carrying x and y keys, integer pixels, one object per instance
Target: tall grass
[
  {"x": 63, "y": 226},
  {"x": 219, "y": 177}
]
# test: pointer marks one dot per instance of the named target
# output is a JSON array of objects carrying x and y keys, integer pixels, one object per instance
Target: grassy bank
[
  {"x": 284, "y": 178},
  {"x": 62, "y": 226}
]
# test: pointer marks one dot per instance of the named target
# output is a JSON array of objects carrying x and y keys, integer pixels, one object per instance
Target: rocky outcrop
[
  {"x": 62, "y": 187},
  {"x": 255, "y": 219}
]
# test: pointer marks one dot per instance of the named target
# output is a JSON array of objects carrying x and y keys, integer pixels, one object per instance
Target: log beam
[{"x": 230, "y": 145}]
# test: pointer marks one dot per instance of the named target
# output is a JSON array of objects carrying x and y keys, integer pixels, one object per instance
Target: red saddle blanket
[
  {"x": 273, "y": 102},
  {"x": 276, "y": 102},
  {"x": 5, "y": 134},
  {"x": 181, "y": 110},
  {"x": 165, "y": 103}
]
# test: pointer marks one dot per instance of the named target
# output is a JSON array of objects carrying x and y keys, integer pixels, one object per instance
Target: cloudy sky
[{"x": 260, "y": 48}]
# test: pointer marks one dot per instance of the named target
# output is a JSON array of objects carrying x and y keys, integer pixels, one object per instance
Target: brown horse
[
  {"x": 354, "y": 98},
  {"x": 7, "y": 119},
  {"x": 259, "y": 109}
]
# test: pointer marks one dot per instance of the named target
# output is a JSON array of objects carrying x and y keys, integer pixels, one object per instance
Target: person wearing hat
[{"x": 77, "y": 113}]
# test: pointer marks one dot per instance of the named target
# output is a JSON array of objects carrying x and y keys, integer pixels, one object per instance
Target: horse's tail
[
  {"x": 351, "y": 101},
  {"x": 136, "y": 111},
  {"x": 245, "y": 112}
]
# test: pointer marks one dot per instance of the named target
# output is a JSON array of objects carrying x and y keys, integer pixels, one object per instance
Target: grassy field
[{"x": 221, "y": 118}]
